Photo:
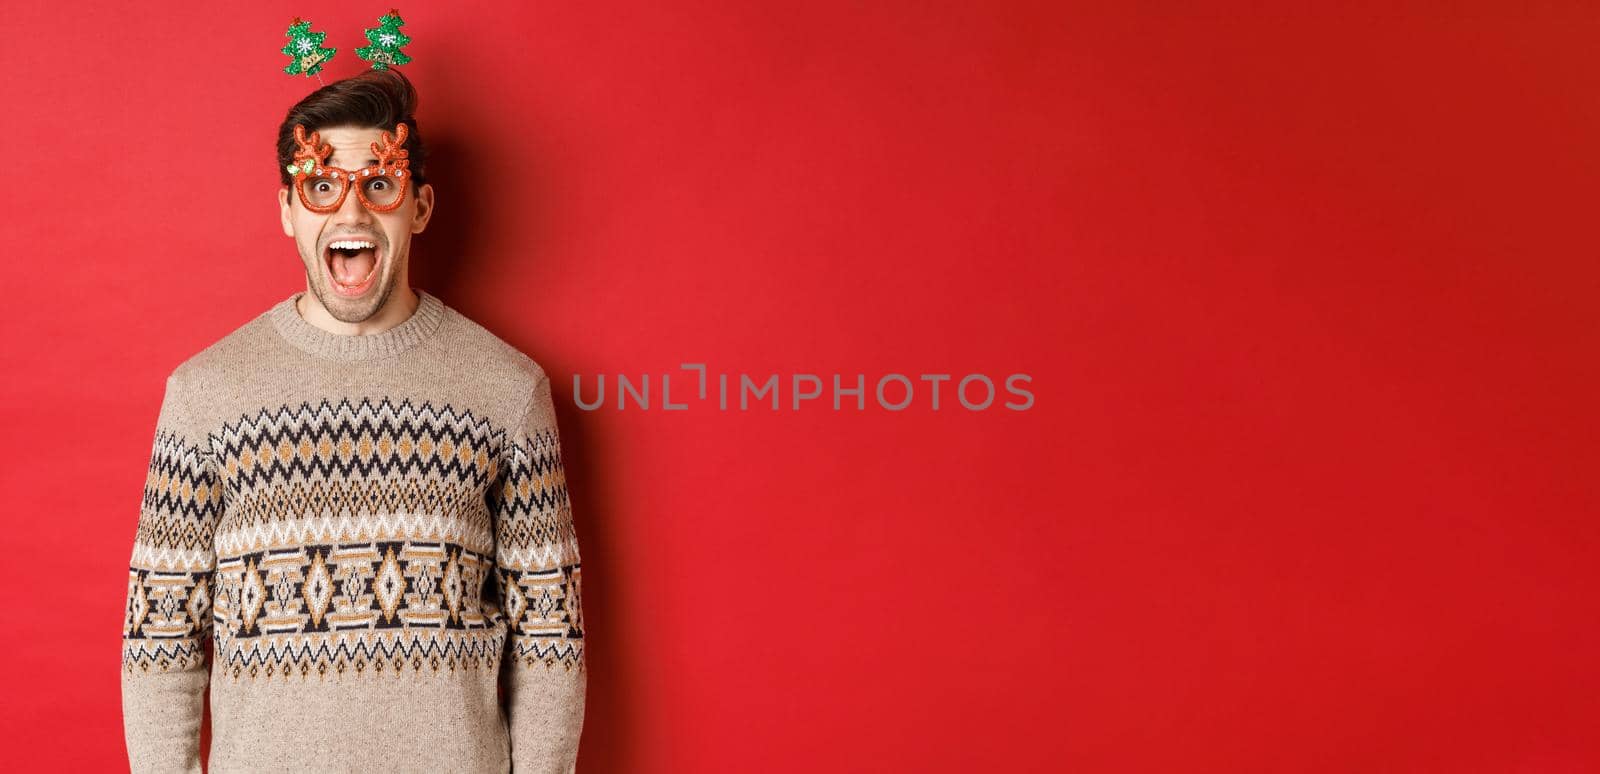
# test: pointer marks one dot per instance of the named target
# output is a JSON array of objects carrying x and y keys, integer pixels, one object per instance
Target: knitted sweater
[{"x": 355, "y": 543}]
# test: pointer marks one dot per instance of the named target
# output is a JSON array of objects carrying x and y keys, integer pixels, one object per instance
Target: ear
[
  {"x": 419, "y": 219},
  {"x": 283, "y": 212}
]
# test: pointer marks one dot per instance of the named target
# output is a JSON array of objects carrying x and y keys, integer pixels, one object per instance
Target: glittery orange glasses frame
[{"x": 322, "y": 188}]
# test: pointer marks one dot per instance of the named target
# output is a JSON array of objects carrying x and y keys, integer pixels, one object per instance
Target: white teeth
[{"x": 352, "y": 244}]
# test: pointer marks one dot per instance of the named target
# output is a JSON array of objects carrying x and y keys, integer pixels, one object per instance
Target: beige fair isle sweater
[{"x": 350, "y": 541}]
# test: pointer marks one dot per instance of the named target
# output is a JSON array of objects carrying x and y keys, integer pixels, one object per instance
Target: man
[{"x": 358, "y": 499}]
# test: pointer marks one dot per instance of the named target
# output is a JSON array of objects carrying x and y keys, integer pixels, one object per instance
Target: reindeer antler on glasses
[
  {"x": 312, "y": 152},
  {"x": 391, "y": 155}
]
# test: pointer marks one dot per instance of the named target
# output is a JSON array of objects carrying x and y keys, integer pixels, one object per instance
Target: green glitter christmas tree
[
  {"x": 386, "y": 40},
  {"x": 306, "y": 52}
]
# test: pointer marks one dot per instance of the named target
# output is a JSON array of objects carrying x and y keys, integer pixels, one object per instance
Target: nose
[{"x": 351, "y": 211}]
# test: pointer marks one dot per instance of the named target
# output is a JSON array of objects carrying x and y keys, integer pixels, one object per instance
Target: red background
[{"x": 1308, "y": 303}]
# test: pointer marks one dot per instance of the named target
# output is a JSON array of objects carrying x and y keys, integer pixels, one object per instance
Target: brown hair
[{"x": 375, "y": 99}]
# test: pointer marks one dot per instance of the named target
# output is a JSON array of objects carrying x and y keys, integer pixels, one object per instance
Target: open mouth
[{"x": 352, "y": 264}]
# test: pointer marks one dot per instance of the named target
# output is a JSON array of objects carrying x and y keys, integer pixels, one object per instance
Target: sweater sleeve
[
  {"x": 538, "y": 578},
  {"x": 167, "y": 620}
]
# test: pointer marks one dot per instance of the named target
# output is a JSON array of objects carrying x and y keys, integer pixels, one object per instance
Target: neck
[{"x": 399, "y": 307}]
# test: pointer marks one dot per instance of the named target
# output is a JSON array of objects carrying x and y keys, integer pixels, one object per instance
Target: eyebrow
[{"x": 371, "y": 162}]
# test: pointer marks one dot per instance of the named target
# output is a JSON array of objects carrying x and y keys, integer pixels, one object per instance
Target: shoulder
[
  {"x": 491, "y": 358},
  {"x": 500, "y": 374},
  {"x": 232, "y": 358},
  {"x": 193, "y": 386}
]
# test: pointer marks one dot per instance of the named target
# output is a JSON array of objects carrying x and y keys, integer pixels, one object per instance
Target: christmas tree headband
[{"x": 307, "y": 55}]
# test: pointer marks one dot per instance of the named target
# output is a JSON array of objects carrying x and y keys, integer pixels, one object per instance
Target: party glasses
[{"x": 322, "y": 188}]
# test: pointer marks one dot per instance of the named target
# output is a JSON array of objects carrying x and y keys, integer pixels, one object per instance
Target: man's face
[{"x": 354, "y": 281}]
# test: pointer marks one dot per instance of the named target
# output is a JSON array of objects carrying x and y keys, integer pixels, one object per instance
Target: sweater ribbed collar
[{"x": 422, "y": 323}]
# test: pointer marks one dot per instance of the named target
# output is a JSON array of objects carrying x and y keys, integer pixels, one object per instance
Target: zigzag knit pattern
[{"x": 356, "y": 518}]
